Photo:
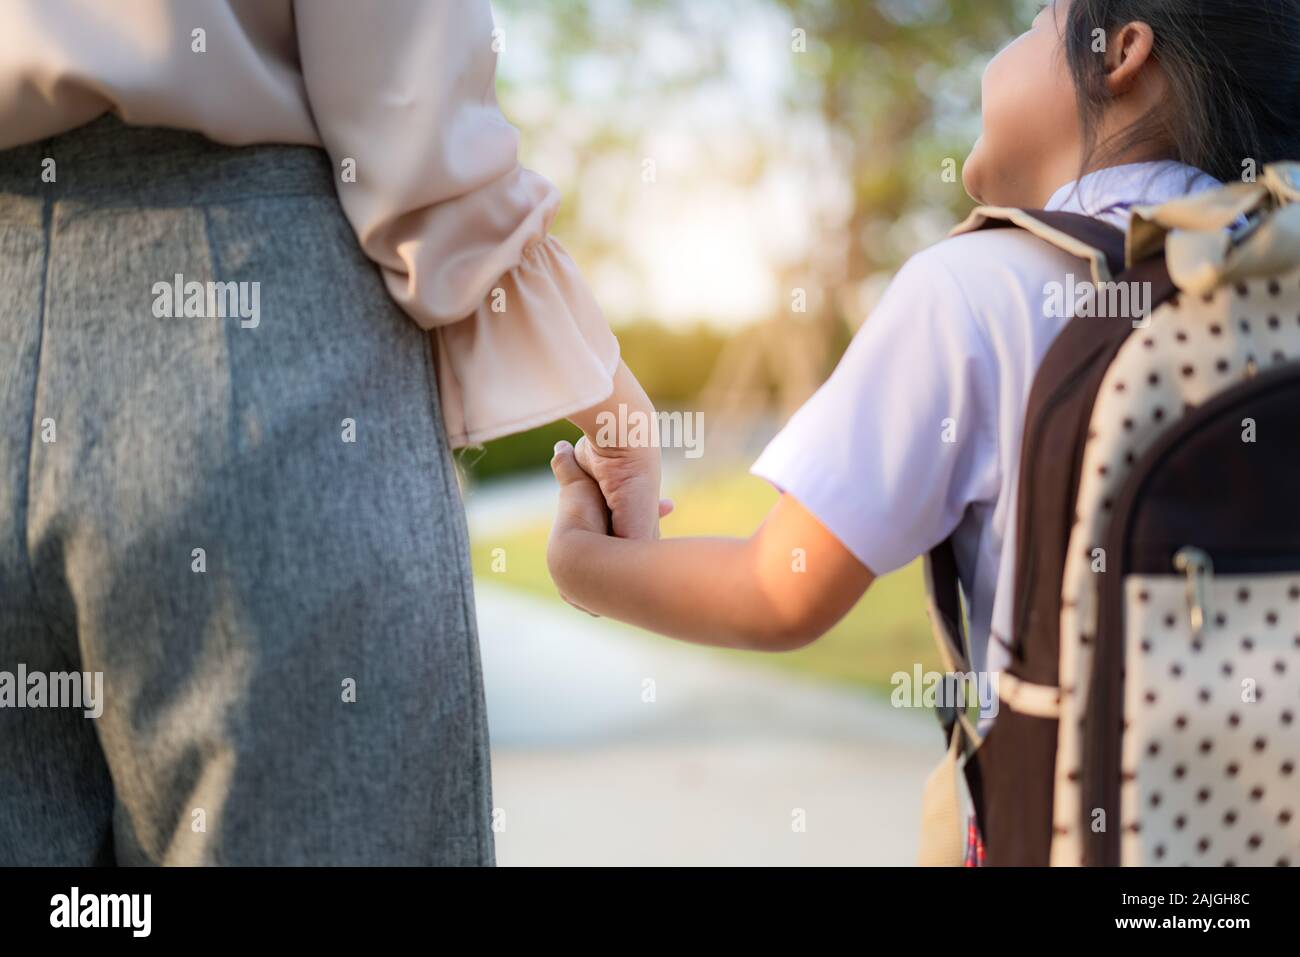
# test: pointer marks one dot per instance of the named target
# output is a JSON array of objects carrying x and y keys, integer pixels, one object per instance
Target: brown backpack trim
[
  {"x": 1051, "y": 455},
  {"x": 1097, "y": 243}
]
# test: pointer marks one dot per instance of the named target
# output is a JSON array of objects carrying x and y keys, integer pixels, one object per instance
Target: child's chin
[{"x": 972, "y": 172}]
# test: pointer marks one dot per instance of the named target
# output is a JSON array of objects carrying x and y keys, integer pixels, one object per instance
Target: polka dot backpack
[{"x": 1151, "y": 713}]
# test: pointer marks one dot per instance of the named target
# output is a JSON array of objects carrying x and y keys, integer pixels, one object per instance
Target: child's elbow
[
  {"x": 794, "y": 639},
  {"x": 786, "y": 620},
  {"x": 784, "y": 632}
]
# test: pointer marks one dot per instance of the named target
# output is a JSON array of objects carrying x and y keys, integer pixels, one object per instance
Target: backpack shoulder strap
[
  {"x": 947, "y": 620},
  {"x": 1099, "y": 244},
  {"x": 1104, "y": 249},
  {"x": 1102, "y": 246},
  {"x": 943, "y": 824}
]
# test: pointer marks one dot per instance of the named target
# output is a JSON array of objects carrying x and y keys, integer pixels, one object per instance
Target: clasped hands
[{"x": 606, "y": 491}]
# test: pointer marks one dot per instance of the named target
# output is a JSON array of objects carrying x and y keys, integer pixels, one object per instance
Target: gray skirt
[{"x": 226, "y": 499}]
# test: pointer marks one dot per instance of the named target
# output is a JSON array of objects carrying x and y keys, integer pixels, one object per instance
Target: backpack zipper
[{"x": 1196, "y": 564}]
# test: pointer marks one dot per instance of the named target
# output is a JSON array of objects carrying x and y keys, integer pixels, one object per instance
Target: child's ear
[{"x": 1128, "y": 50}]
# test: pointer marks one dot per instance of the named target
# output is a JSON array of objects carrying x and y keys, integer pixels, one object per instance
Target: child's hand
[
  {"x": 581, "y": 509},
  {"x": 582, "y": 505}
]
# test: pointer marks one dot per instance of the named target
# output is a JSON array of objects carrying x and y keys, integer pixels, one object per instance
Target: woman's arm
[
  {"x": 429, "y": 177},
  {"x": 777, "y": 590}
]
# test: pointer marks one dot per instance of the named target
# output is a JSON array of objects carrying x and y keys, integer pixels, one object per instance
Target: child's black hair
[{"x": 1233, "y": 68}]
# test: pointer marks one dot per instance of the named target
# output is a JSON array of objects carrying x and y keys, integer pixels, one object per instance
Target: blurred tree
[{"x": 898, "y": 82}]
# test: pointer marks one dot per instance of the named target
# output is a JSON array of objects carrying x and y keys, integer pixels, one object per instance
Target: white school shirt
[{"x": 916, "y": 435}]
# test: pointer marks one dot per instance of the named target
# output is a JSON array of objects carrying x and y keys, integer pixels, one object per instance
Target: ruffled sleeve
[{"x": 404, "y": 101}]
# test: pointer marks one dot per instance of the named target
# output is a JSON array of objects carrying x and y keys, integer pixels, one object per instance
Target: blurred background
[{"x": 741, "y": 179}]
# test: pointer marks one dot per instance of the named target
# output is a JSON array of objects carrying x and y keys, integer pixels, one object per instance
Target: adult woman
[{"x": 250, "y": 524}]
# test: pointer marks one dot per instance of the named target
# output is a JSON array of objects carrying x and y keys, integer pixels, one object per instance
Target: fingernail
[{"x": 559, "y": 446}]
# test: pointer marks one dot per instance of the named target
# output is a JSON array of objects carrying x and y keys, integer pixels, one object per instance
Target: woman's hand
[
  {"x": 627, "y": 474},
  {"x": 629, "y": 481}
]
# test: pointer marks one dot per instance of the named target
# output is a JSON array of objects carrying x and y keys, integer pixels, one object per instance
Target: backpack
[{"x": 1151, "y": 711}]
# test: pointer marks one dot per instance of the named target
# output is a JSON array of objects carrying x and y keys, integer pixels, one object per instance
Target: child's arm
[{"x": 777, "y": 590}]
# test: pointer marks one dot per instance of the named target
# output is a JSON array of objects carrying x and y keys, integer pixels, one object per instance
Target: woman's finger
[{"x": 582, "y": 455}]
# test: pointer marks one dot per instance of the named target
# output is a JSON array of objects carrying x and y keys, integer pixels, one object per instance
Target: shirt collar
[{"x": 1110, "y": 194}]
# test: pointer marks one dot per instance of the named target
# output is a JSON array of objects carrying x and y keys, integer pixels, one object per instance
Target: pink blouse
[{"x": 402, "y": 92}]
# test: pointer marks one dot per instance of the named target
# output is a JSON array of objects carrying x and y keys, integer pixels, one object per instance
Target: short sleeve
[
  {"x": 902, "y": 438},
  {"x": 404, "y": 100}
]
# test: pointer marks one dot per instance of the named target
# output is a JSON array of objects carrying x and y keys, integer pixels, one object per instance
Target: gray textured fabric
[{"x": 327, "y": 561}]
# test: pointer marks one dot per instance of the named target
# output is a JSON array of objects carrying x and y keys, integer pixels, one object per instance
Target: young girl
[{"x": 916, "y": 437}]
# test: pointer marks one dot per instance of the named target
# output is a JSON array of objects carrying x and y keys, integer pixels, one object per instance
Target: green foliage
[
  {"x": 672, "y": 364},
  {"x": 522, "y": 452}
]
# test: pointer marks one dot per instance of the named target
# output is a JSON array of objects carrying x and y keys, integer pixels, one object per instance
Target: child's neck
[{"x": 1074, "y": 169}]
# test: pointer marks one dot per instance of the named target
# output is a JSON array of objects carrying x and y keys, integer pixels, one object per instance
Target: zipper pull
[{"x": 1196, "y": 565}]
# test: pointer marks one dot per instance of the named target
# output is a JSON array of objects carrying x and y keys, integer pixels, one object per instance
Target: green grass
[{"x": 886, "y": 632}]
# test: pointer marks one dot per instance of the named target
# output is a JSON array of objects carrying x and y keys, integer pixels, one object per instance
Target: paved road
[{"x": 612, "y": 747}]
